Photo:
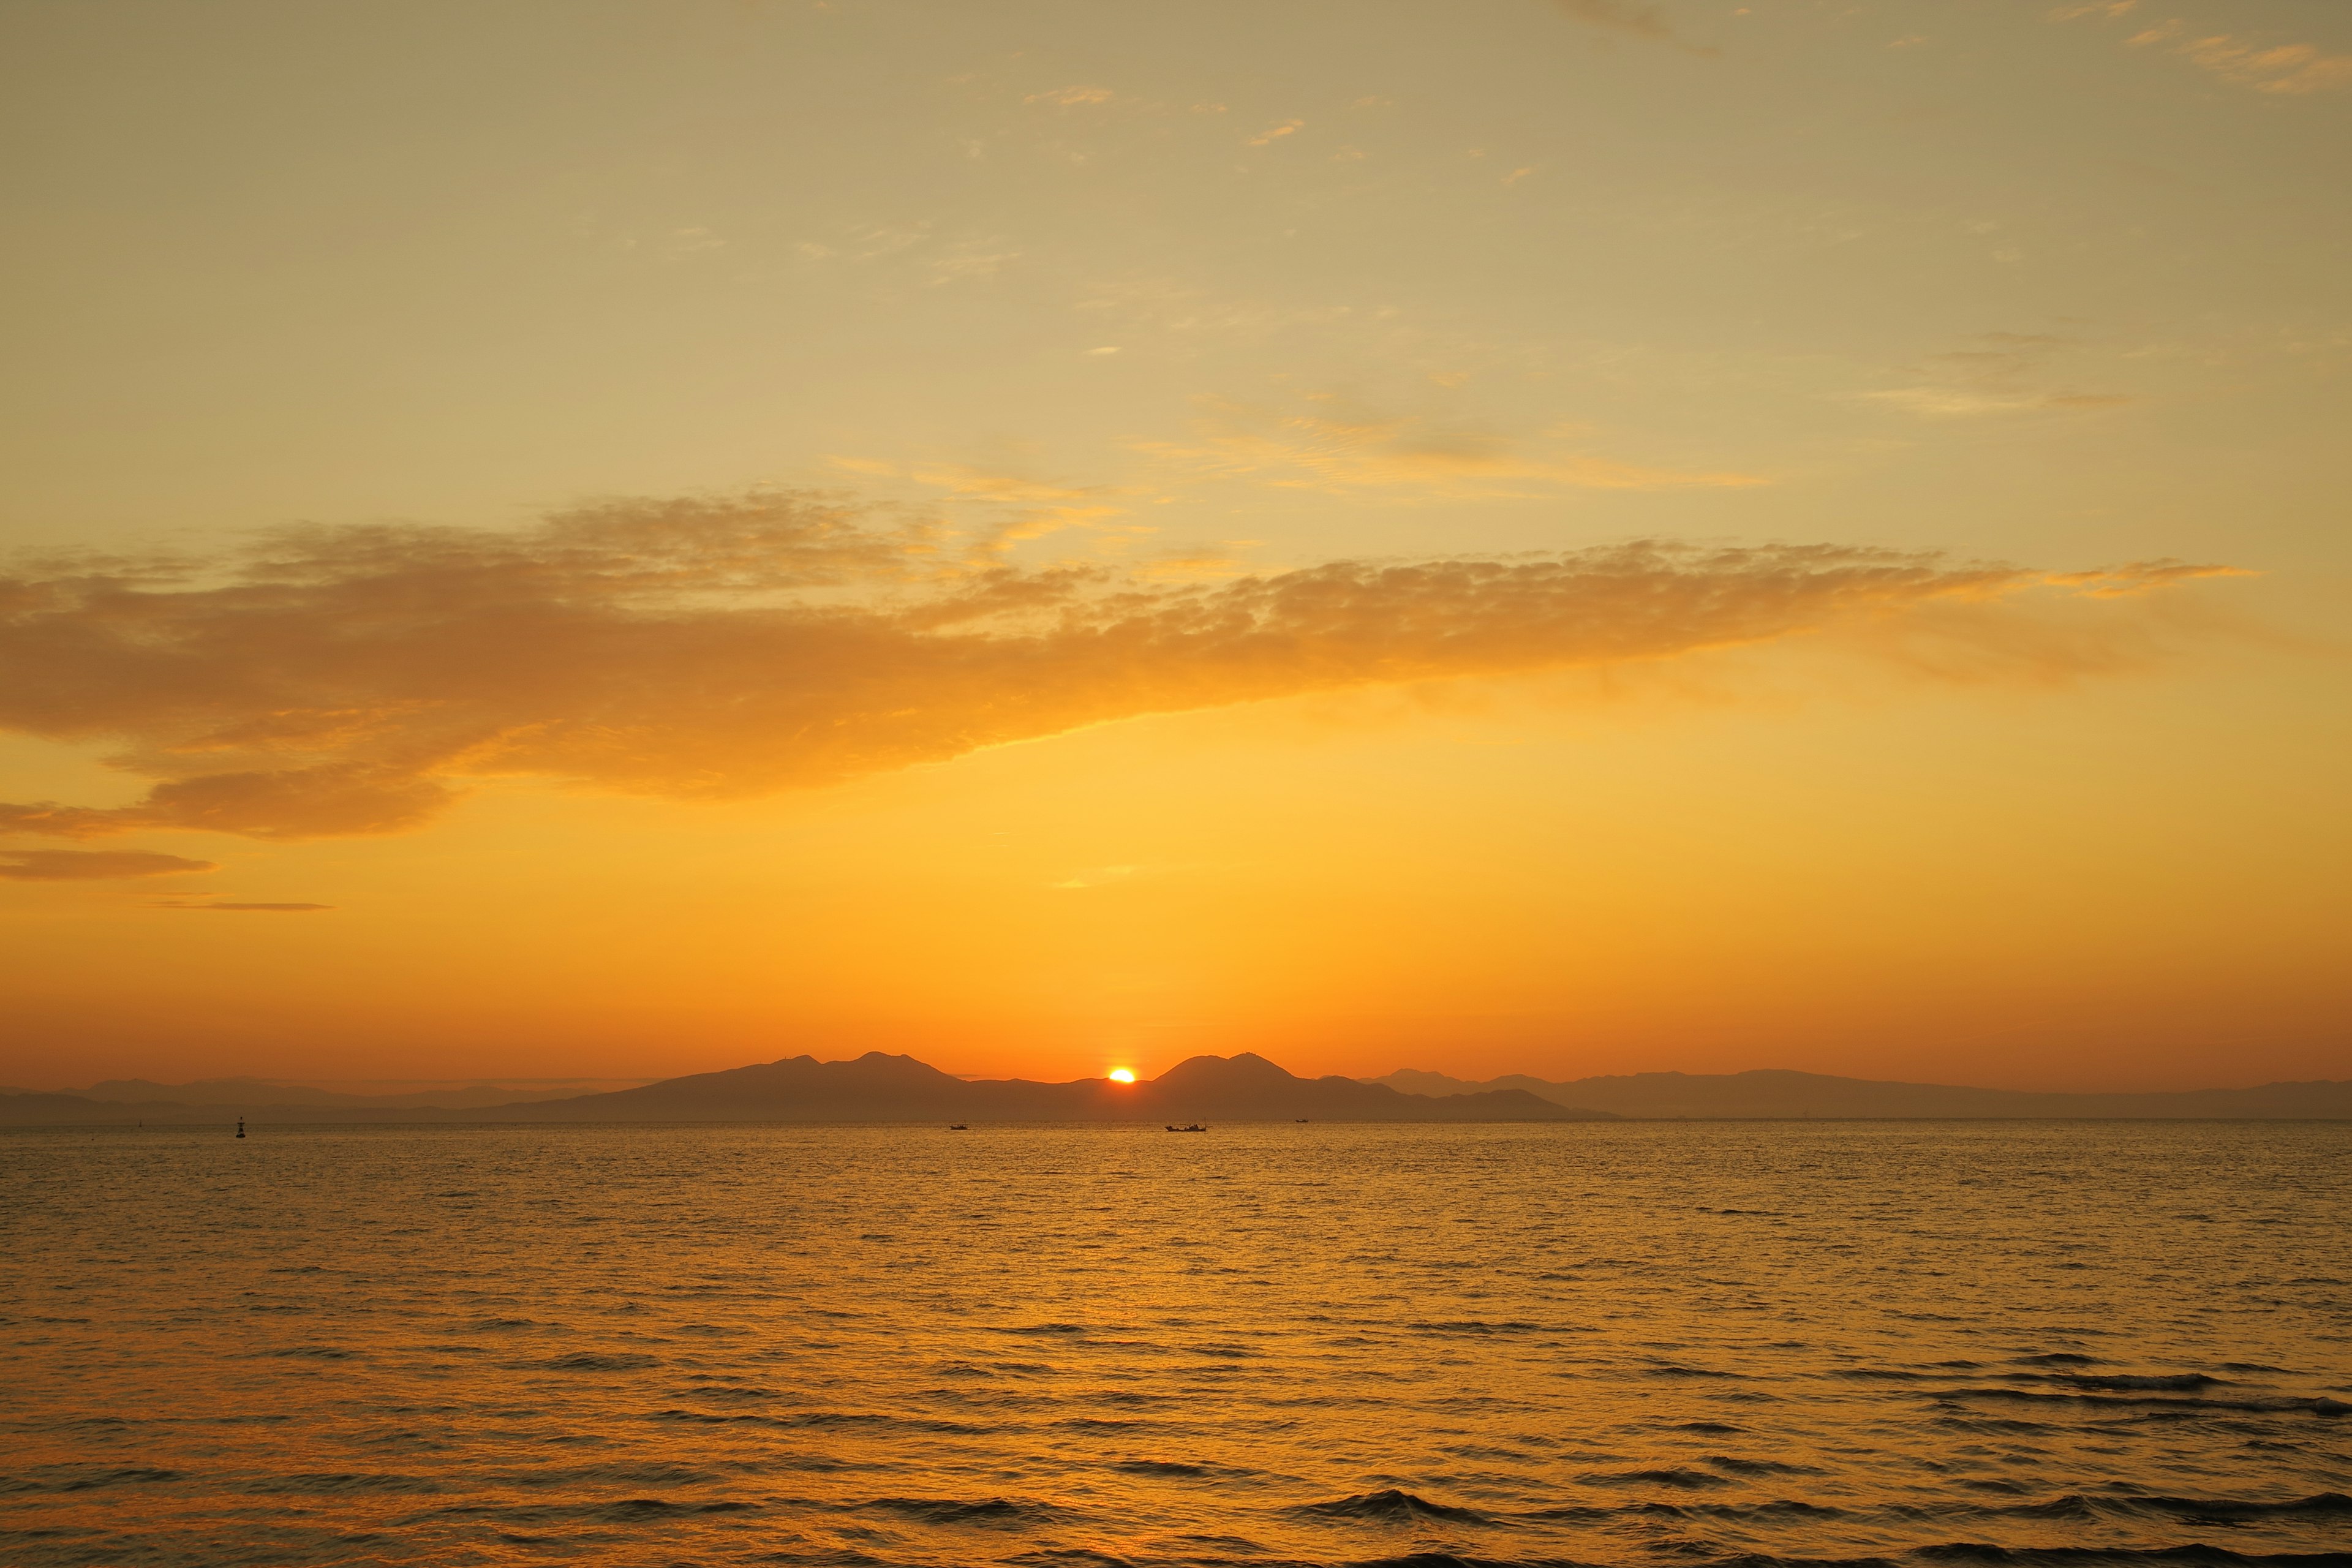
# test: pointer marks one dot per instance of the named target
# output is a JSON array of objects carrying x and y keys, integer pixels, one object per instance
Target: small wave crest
[
  {"x": 598, "y": 1360},
  {"x": 1390, "y": 1506},
  {"x": 1687, "y": 1479},
  {"x": 955, "y": 1511}
]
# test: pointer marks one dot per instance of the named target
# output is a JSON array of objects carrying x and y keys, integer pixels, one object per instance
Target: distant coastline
[
  {"x": 1779, "y": 1094},
  {"x": 881, "y": 1088}
]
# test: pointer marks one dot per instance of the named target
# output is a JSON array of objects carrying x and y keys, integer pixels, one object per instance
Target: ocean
[{"x": 1633, "y": 1343}]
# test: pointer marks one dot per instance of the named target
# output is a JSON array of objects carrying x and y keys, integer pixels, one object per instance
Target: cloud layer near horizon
[
  {"x": 348, "y": 681},
  {"x": 93, "y": 865}
]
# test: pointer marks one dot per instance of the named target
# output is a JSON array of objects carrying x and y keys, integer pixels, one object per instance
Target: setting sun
[{"x": 1122, "y": 1075}]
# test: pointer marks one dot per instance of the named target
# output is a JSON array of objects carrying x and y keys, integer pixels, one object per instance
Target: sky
[{"x": 1549, "y": 536}]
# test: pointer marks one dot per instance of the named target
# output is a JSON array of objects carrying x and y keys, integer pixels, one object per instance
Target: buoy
[{"x": 240, "y": 1126}]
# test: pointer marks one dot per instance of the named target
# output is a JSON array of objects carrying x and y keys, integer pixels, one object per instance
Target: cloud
[
  {"x": 1013, "y": 507},
  {"x": 2291, "y": 69},
  {"x": 2275, "y": 68},
  {"x": 1339, "y": 451},
  {"x": 1268, "y": 137},
  {"x": 1958, "y": 403},
  {"x": 1071, "y": 97},
  {"x": 1999, "y": 372},
  {"x": 88, "y": 865},
  {"x": 263, "y": 908},
  {"x": 977, "y": 257},
  {"x": 1623, "y": 17},
  {"x": 353, "y": 680}
]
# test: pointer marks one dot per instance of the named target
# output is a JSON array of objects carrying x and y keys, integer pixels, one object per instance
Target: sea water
[{"x": 1591, "y": 1344}]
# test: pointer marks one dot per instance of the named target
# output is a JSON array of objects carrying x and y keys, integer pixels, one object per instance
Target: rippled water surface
[{"x": 1637, "y": 1343}]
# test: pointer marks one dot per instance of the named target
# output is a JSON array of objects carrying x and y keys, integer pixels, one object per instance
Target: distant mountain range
[
  {"x": 1774, "y": 1092},
  {"x": 874, "y": 1088}
]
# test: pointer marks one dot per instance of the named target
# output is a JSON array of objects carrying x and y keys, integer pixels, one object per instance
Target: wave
[
  {"x": 1675, "y": 1369},
  {"x": 1391, "y": 1506},
  {"x": 954, "y": 1510},
  {"x": 2081, "y": 1557},
  {"x": 2077, "y": 1505},
  {"x": 615, "y": 1510},
  {"x": 1879, "y": 1374},
  {"x": 2069, "y": 1508},
  {"x": 653, "y": 1473},
  {"x": 1162, "y": 1468},
  {"x": 120, "y": 1475},
  {"x": 2316, "y": 1405},
  {"x": 341, "y": 1484},
  {"x": 598, "y": 1360},
  {"x": 1692, "y": 1479},
  {"x": 1759, "y": 1467}
]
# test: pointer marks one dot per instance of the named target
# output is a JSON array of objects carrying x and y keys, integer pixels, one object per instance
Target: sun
[{"x": 1122, "y": 1075}]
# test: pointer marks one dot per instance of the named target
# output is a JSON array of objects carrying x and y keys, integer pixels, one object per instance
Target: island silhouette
[
  {"x": 878, "y": 1087},
  {"x": 881, "y": 1088}
]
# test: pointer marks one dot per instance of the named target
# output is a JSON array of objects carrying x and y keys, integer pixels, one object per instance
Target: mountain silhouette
[
  {"x": 880, "y": 1088},
  {"x": 1777, "y": 1093},
  {"x": 874, "y": 1088}
]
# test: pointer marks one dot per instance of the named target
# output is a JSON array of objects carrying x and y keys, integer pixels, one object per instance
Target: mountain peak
[{"x": 1246, "y": 1070}]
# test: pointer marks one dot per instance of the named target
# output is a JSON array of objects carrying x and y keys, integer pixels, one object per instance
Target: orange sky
[{"x": 1561, "y": 538}]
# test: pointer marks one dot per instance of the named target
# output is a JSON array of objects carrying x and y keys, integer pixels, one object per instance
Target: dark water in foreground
[{"x": 1641, "y": 1343}]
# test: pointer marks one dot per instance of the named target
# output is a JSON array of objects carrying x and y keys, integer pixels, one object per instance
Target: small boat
[
  {"x": 1300, "y": 1119},
  {"x": 960, "y": 1127},
  {"x": 1196, "y": 1127},
  {"x": 240, "y": 1126}
]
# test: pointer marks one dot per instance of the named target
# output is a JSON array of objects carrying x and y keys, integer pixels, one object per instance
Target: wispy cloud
[
  {"x": 2265, "y": 65},
  {"x": 1624, "y": 16},
  {"x": 1072, "y": 97},
  {"x": 1329, "y": 446},
  {"x": 243, "y": 909},
  {"x": 92, "y": 865},
  {"x": 914, "y": 248},
  {"x": 2267, "y": 68},
  {"x": 1013, "y": 507},
  {"x": 343, "y": 681},
  {"x": 1996, "y": 374}
]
